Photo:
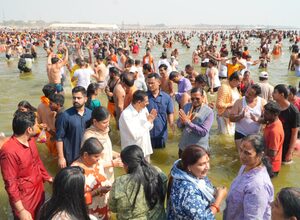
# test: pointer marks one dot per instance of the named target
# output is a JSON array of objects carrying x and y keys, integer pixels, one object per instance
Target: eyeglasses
[{"x": 197, "y": 99}]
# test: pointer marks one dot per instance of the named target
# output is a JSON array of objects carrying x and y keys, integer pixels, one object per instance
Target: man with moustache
[{"x": 70, "y": 128}]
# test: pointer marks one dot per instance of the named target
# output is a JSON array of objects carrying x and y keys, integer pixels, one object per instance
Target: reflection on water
[{"x": 224, "y": 159}]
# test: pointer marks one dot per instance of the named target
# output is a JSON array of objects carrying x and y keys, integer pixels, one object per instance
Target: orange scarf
[{"x": 45, "y": 100}]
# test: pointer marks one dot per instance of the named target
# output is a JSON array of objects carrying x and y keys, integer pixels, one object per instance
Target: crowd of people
[{"x": 146, "y": 104}]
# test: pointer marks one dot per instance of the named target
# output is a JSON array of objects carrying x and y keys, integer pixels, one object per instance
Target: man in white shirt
[
  {"x": 136, "y": 122},
  {"x": 83, "y": 74}
]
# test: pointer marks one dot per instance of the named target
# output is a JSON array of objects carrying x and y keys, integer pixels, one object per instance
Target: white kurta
[{"x": 135, "y": 129}]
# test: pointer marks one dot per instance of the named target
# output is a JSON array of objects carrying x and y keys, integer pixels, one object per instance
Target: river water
[{"x": 224, "y": 158}]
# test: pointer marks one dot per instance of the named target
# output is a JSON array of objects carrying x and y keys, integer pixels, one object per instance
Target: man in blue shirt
[
  {"x": 162, "y": 102},
  {"x": 71, "y": 126}
]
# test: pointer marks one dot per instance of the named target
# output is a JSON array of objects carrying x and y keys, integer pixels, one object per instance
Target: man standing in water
[
  {"x": 163, "y": 104},
  {"x": 289, "y": 116},
  {"x": 22, "y": 169},
  {"x": 70, "y": 128},
  {"x": 54, "y": 67}
]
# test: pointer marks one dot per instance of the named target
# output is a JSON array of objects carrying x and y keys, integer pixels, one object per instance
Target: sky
[{"x": 169, "y": 12}]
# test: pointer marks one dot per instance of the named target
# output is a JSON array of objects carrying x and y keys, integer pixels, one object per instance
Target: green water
[{"x": 224, "y": 159}]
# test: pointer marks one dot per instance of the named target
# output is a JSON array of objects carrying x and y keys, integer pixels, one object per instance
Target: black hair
[
  {"x": 99, "y": 114},
  {"x": 138, "y": 95},
  {"x": 163, "y": 66},
  {"x": 258, "y": 143},
  {"x": 282, "y": 89},
  {"x": 289, "y": 199},
  {"x": 92, "y": 88},
  {"x": 58, "y": 99},
  {"x": 272, "y": 107},
  {"x": 63, "y": 199},
  {"x": 292, "y": 90},
  {"x": 49, "y": 89},
  {"x": 79, "y": 89},
  {"x": 22, "y": 121},
  {"x": 143, "y": 173},
  {"x": 173, "y": 74},
  {"x": 196, "y": 89},
  {"x": 27, "y": 105},
  {"x": 256, "y": 88},
  {"x": 137, "y": 62},
  {"x": 235, "y": 75},
  {"x": 191, "y": 154},
  {"x": 201, "y": 79},
  {"x": 92, "y": 146},
  {"x": 114, "y": 70},
  {"x": 127, "y": 78},
  {"x": 188, "y": 66},
  {"x": 54, "y": 60},
  {"x": 147, "y": 66},
  {"x": 154, "y": 75}
]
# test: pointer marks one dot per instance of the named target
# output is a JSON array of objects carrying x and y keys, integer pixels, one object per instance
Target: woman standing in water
[
  {"x": 140, "y": 193},
  {"x": 251, "y": 192},
  {"x": 192, "y": 195},
  {"x": 98, "y": 127}
]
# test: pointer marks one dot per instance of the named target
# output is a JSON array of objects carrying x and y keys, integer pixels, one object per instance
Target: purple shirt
[
  {"x": 250, "y": 196},
  {"x": 184, "y": 85}
]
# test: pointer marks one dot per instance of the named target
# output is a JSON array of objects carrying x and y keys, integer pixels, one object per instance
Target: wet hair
[
  {"x": 281, "y": 89},
  {"x": 49, "y": 89},
  {"x": 163, "y": 66},
  {"x": 292, "y": 90},
  {"x": 22, "y": 121},
  {"x": 256, "y": 88},
  {"x": 143, "y": 174},
  {"x": 235, "y": 75},
  {"x": 194, "y": 90},
  {"x": 127, "y": 78},
  {"x": 258, "y": 143},
  {"x": 91, "y": 146},
  {"x": 272, "y": 107},
  {"x": 54, "y": 60},
  {"x": 91, "y": 90},
  {"x": 147, "y": 67},
  {"x": 79, "y": 89},
  {"x": 173, "y": 74},
  {"x": 114, "y": 70},
  {"x": 154, "y": 75},
  {"x": 138, "y": 95},
  {"x": 27, "y": 105},
  {"x": 63, "y": 199},
  {"x": 191, "y": 155},
  {"x": 58, "y": 99},
  {"x": 289, "y": 199},
  {"x": 99, "y": 114}
]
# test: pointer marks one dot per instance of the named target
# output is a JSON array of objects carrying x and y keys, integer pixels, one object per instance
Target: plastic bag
[{"x": 42, "y": 138}]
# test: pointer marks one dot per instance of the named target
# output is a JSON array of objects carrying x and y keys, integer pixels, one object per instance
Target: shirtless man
[
  {"x": 293, "y": 58},
  {"x": 54, "y": 67},
  {"x": 166, "y": 84},
  {"x": 101, "y": 71},
  {"x": 119, "y": 96}
]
